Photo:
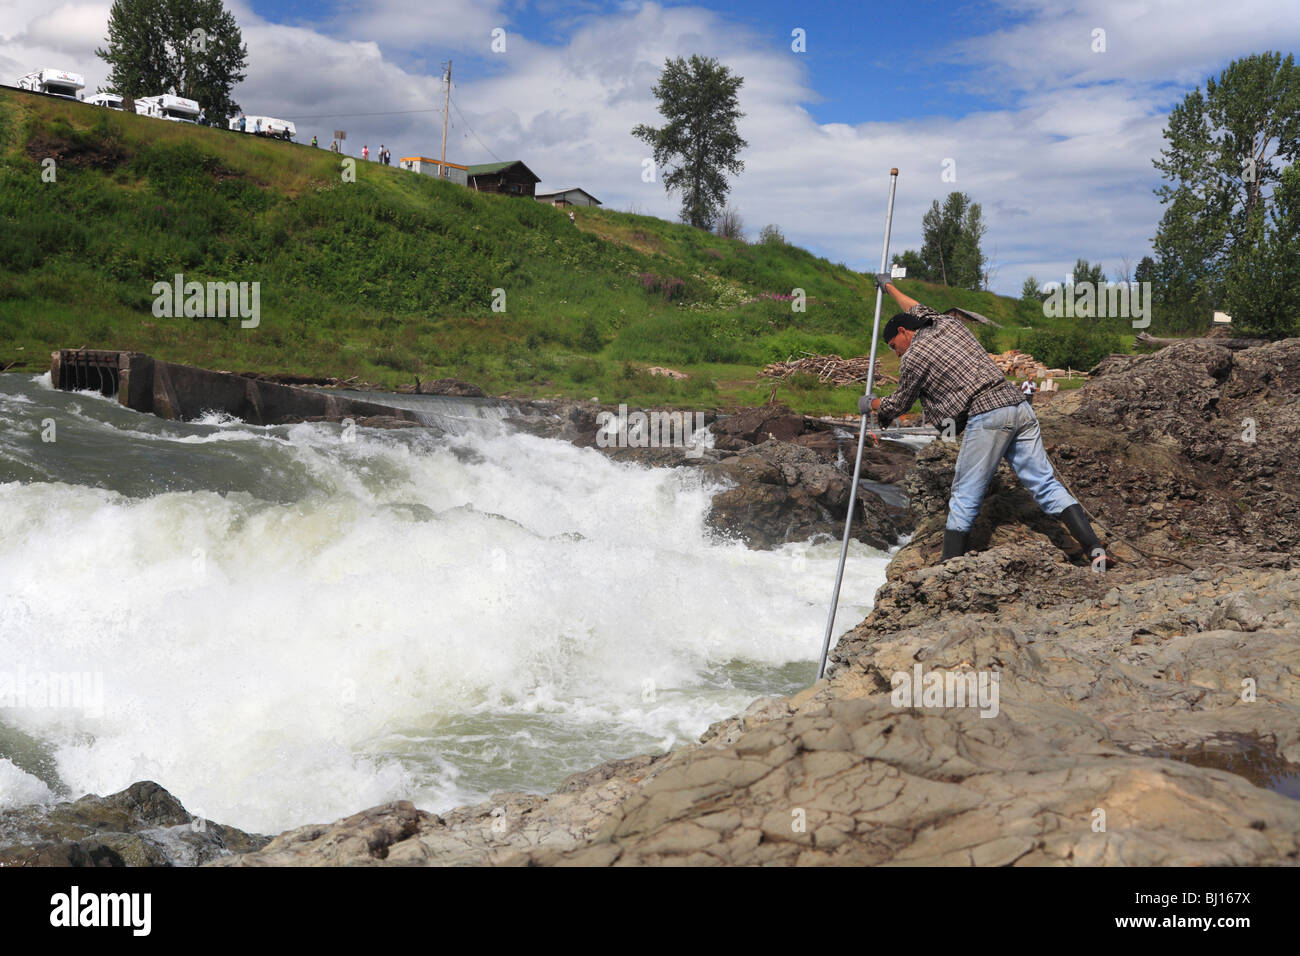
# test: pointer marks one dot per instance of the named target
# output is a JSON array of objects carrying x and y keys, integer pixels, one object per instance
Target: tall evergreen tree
[{"x": 699, "y": 143}]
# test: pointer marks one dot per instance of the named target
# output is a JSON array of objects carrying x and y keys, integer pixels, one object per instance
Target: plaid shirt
[{"x": 951, "y": 373}]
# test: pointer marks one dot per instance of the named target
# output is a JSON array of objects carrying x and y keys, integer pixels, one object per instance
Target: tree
[
  {"x": 700, "y": 141},
  {"x": 1087, "y": 274},
  {"x": 730, "y": 225},
  {"x": 190, "y": 48},
  {"x": 913, "y": 263},
  {"x": 771, "y": 235},
  {"x": 1145, "y": 271},
  {"x": 1225, "y": 150},
  {"x": 950, "y": 247},
  {"x": 967, "y": 259},
  {"x": 1262, "y": 285},
  {"x": 1029, "y": 291}
]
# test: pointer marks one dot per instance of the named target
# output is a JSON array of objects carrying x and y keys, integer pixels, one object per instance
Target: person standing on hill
[
  {"x": 365, "y": 151},
  {"x": 313, "y": 141},
  {"x": 1028, "y": 388},
  {"x": 243, "y": 123},
  {"x": 941, "y": 363}
]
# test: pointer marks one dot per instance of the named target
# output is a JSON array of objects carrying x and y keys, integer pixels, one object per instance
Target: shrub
[{"x": 1072, "y": 348}]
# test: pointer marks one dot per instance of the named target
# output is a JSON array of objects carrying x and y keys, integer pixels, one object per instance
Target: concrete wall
[{"x": 184, "y": 392}]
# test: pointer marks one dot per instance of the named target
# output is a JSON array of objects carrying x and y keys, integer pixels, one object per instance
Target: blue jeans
[{"x": 1011, "y": 433}]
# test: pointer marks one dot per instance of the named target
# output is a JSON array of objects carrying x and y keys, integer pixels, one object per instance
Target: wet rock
[
  {"x": 143, "y": 825},
  {"x": 786, "y": 492},
  {"x": 449, "y": 386},
  {"x": 753, "y": 426}
]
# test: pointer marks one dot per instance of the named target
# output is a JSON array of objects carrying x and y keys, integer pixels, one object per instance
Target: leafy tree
[
  {"x": 1225, "y": 151},
  {"x": 1087, "y": 274},
  {"x": 968, "y": 260},
  {"x": 771, "y": 235},
  {"x": 914, "y": 265},
  {"x": 950, "y": 247},
  {"x": 1145, "y": 271},
  {"x": 1262, "y": 285},
  {"x": 1187, "y": 266},
  {"x": 700, "y": 141},
  {"x": 153, "y": 48}
]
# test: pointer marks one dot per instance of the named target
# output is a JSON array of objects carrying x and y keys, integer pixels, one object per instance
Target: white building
[
  {"x": 453, "y": 172},
  {"x": 572, "y": 196}
]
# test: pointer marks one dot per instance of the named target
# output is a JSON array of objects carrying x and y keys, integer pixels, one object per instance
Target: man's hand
[
  {"x": 868, "y": 404},
  {"x": 883, "y": 279}
]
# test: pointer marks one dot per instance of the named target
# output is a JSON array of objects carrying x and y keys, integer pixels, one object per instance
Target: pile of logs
[
  {"x": 1017, "y": 364},
  {"x": 828, "y": 368}
]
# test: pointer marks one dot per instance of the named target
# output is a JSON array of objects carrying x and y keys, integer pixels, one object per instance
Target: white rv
[
  {"x": 55, "y": 82},
  {"x": 265, "y": 126},
  {"x": 110, "y": 100},
  {"x": 166, "y": 106}
]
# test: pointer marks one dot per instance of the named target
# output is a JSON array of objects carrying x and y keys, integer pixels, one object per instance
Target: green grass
[{"x": 393, "y": 275}]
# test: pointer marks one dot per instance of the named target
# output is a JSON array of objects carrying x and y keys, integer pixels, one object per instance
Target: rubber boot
[
  {"x": 1076, "y": 520},
  {"x": 954, "y": 543}
]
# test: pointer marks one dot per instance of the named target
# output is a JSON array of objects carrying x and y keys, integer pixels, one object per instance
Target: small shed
[
  {"x": 431, "y": 167},
  {"x": 572, "y": 196},
  {"x": 966, "y": 315},
  {"x": 512, "y": 178}
]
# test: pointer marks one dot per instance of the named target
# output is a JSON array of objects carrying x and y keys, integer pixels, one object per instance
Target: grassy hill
[{"x": 394, "y": 275}]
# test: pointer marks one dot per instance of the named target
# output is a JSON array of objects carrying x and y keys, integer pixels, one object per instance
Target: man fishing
[{"x": 942, "y": 363}]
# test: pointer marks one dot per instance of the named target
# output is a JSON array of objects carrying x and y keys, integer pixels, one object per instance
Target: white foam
[
  {"x": 274, "y": 665},
  {"x": 18, "y": 787}
]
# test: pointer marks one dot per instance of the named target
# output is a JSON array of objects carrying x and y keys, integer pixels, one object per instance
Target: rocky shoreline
[{"x": 1144, "y": 715}]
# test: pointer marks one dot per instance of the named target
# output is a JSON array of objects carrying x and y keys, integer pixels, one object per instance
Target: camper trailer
[
  {"x": 110, "y": 100},
  {"x": 178, "y": 109},
  {"x": 55, "y": 82},
  {"x": 266, "y": 126}
]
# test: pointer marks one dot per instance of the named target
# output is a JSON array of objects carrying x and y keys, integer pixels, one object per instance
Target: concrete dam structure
[{"x": 183, "y": 392}]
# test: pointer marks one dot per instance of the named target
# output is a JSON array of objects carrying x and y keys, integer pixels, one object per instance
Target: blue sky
[{"x": 1051, "y": 135}]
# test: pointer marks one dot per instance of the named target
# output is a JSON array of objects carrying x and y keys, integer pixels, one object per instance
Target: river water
[{"x": 282, "y": 626}]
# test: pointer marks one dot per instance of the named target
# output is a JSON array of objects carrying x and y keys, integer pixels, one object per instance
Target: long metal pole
[
  {"x": 446, "y": 108},
  {"x": 862, "y": 433}
]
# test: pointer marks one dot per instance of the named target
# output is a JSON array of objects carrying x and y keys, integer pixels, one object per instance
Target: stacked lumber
[
  {"x": 1017, "y": 364},
  {"x": 828, "y": 368}
]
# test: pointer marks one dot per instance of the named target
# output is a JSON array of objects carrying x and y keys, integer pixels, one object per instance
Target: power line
[
  {"x": 342, "y": 115},
  {"x": 471, "y": 129}
]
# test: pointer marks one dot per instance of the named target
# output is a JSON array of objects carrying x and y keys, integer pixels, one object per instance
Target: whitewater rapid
[{"x": 290, "y": 627}]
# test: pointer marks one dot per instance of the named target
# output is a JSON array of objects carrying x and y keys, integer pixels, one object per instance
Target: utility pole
[{"x": 446, "y": 110}]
